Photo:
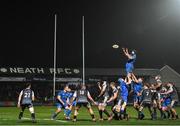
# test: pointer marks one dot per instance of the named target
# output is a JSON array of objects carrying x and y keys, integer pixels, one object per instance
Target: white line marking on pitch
[
  {"x": 60, "y": 121},
  {"x": 4, "y": 119},
  {"x": 45, "y": 119},
  {"x": 24, "y": 118}
]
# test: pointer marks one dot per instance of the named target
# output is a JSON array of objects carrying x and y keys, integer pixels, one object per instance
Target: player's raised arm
[
  {"x": 103, "y": 89},
  {"x": 126, "y": 52},
  {"x": 99, "y": 85},
  {"x": 158, "y": 81},
  {"x": 128, "y": 80},
  {"x": 19, "y": 99},
  {"x": 134, "y": 78}
]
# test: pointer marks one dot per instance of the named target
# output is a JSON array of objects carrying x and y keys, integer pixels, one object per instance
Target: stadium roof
[{"x": 170, "y": 75}]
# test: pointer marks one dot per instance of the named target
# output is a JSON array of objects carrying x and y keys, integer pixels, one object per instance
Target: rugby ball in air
[{"x": 115, "y": 46}]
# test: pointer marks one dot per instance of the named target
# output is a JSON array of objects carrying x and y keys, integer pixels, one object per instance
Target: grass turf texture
[{"x": 8, "y": 116}]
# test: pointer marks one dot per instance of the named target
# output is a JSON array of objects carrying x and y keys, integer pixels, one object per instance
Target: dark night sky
[{"x": 152, "y": 27}]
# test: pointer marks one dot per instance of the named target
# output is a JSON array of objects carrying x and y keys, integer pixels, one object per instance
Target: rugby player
[
  {"x": 171, "y": 91},
  {"x": 102, "y": 99},
  {"x": 70, "y": 104},
  {"x": 165, "y": 102},
  {"x": 26, "y": 97},
  {"x": 156, "y": 96},
  {"x": 137, "y": 90},
  {"x": 61, "y": 101},
  {"x": 123, "y": 96},
  {"x": 114, "y": 98},
  {"x": 131, "y": 60},
  {"x": 146, "y": 101},
  {"x": 82, "y": 96}
]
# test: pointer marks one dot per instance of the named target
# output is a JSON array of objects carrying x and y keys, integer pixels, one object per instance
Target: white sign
[{"x": 33, "y": 70}]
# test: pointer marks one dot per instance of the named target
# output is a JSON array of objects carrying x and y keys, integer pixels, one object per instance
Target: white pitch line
[
  {"x": 24, "y": 118},
  {"x": 55, "y": 120},
  {"x": 4, "y": 119},
  {"x": 61, "y": 121}
]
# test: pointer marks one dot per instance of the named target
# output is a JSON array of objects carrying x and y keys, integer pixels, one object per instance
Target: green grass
[{"x": 8, "y": 116}]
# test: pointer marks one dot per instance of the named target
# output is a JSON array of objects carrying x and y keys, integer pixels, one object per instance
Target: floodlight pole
[
  {"x": 83, "y": 79},
  {"x": 55, "y": 39}
]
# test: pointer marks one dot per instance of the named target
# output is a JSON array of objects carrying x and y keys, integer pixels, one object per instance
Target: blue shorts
[
  {"x": 59, "y": 105},
  {"x": 124, "y": 98},
  {"x": 167, "y": 102},
  {"x": 129, "y": 67},
  {"x": 137, "y": 98}
]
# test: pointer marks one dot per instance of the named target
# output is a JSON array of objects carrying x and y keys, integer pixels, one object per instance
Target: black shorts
[
  {"x": 102, "y": 99},
  {"x": 85, "y": 104},
  {"x": 115, "y": 102},
  {"x": 23, "y": 106},
  {"x": 146, "y": 103}
]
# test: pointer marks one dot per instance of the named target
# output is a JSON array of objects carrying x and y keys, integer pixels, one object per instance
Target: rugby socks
[
  {"x": 100, "y": 114},
  {"x": 168, "y": 114},
  {"x": 141, "y": 115},
  {"x": 20, "y": 115},
  {"x": 75, "y": 117},
  {"x": 136, "y": 108},
  {"x": 92, "y": 115},
  {"x": 172, "y": 114},
  {"x": 152, "y": 117},
  {"x": 121, "y": 114},
  {"x": 54, "y": 115},
  {"x": 125, "y": 114},
  {"x": 106, "y": 112},
  {"x": 137, "y": 111},
  {"x": 68, "y": 113},
  {"x": 161, "y": 112},
  {"x": 155, "y": 113},
  {"x": 177, "y": 117},
  {"x": 65, "y": 112},
  {"x": 33, "y": 116}
]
